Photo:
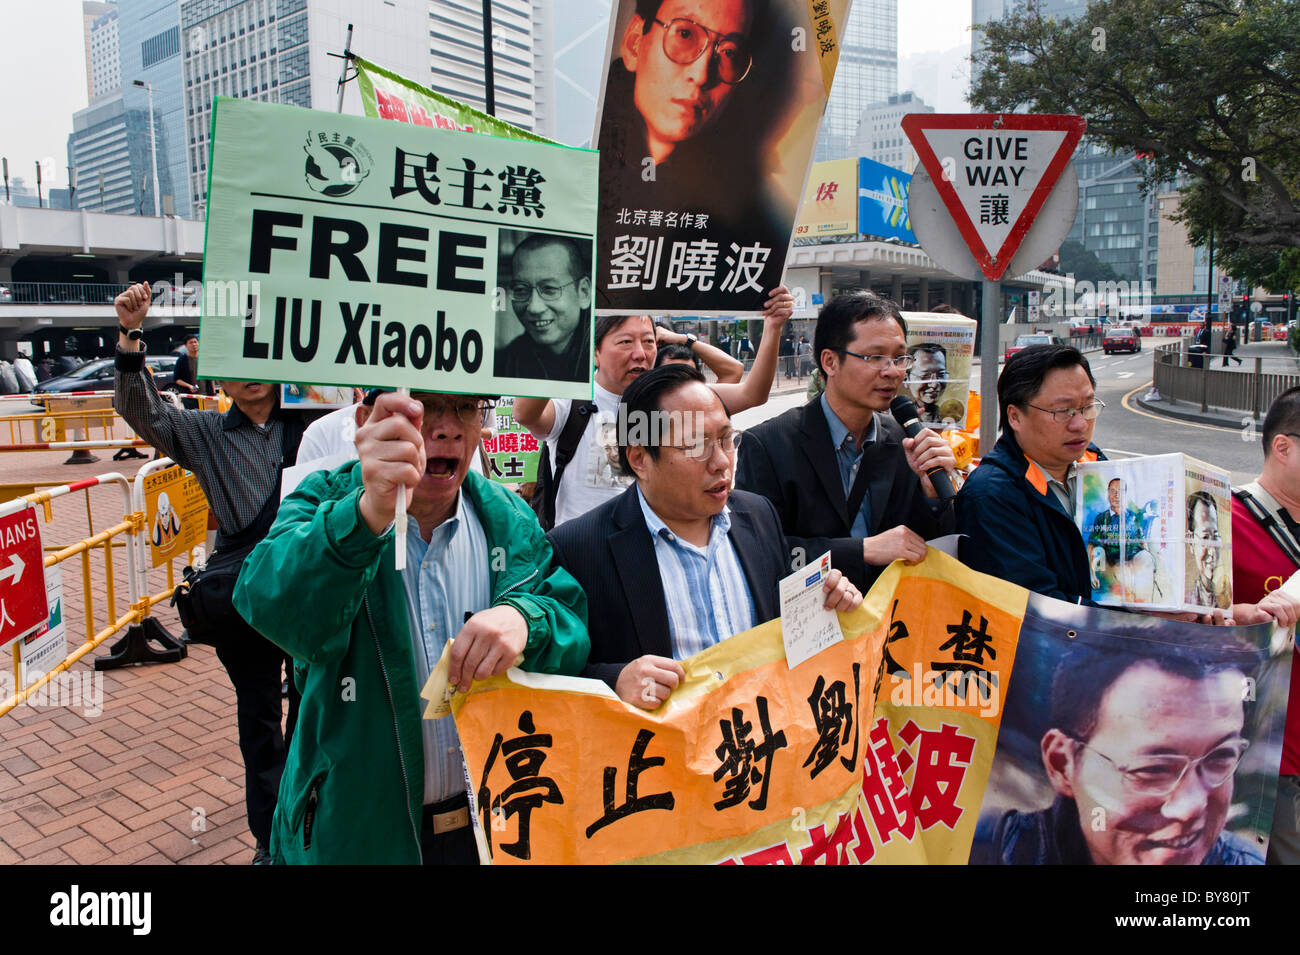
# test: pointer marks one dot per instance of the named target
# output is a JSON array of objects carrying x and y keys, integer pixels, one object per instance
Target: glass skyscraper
[{"x": 867, "y": 73}]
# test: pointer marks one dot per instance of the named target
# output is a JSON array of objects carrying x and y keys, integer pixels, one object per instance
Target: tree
[
  {"x": 1206, "y": 92},
  {"x": 1084, "y": 265}
]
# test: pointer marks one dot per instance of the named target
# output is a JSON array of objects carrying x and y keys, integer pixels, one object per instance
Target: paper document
[{"x": 807, "y": 627}]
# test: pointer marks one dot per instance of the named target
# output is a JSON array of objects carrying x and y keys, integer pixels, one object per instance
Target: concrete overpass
[
  {"x": 62, "y": 268},
  {"x": 902, "y": 272}
]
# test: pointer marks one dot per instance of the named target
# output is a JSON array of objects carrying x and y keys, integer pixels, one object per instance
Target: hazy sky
[{"x": 43, "y": 70}]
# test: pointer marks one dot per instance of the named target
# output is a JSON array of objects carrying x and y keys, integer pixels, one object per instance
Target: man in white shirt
[{"x": 625, "y": 348}]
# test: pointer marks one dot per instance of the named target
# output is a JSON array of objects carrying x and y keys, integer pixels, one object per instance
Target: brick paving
[{"x": 156, "y": 777}]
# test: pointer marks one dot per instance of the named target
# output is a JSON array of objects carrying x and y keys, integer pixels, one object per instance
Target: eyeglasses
[
  {"x": 1066, "y": 415},
  {"x": 468, "y": 410},
  {"x": 549, "y": 291},
  {"x": 1161, "y": 775},
  {"x": 685, "y": 40},
  {"x": 703, "y": 450},
  {"x": 878, "y": 362}
]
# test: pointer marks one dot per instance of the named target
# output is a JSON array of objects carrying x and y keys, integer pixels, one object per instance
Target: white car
[{"x": 5, "y": 294}]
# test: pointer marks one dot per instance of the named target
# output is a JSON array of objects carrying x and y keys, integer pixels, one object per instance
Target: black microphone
[{"x": 904, "y": 412}]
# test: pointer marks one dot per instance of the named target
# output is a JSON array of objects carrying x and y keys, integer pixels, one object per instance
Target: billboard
[
  {"x": 882, "y": 201},
  {"x": 828, "y": 201}
]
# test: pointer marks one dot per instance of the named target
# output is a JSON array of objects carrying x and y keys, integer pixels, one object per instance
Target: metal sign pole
[{"x": 990, "y": 325}]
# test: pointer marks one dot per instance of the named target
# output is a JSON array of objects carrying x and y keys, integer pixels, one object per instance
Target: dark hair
[
  {"x": 838, "y": 316},
  {"x": 647, "y": 10},
  {"x": 946, "y": 309},
  {"x": 1022, "y": 376},
  {"x": 1283, "y": 418},
  {"x": 189, "y": 336},
  {"x": 934, "y": 348},
  {"x": 644, "y": 397},
  {"x": 578, "y": 269},
  {"x": 1199, "y": 497},
  {"x": 1085, "y": 673},
  {"x": 610, "y": 323},
  {"x": 1113, "y": 480},
  {"x": 676, "y": 353}
]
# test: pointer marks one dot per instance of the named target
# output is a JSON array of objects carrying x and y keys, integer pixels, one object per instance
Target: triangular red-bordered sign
[{"x": 992, "y": 262}]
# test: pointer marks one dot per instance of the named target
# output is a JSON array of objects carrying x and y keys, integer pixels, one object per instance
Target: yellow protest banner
[
  {"x": 950, "y": 725},
  {"x": 176, "y": 513},
  {"x": 750, "y": 761}
]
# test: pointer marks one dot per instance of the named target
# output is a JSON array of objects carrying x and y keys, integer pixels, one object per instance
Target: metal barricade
[{"x": 129, "y": 529}]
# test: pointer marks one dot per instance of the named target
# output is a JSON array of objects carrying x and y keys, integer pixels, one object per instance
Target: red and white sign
[
  {"x": 993, "y": 171},
  {"x": 23, "y": 606}
]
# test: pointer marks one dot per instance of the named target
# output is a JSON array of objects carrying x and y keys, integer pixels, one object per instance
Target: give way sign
[
  {"x": 22, "y": 576},
  {"x": 993, "y": 172}
]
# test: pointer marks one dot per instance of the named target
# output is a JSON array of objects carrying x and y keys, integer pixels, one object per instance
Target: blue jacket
[
  {"x": 1054, "y": 836},
  {"x": 1016, "y": 528}
]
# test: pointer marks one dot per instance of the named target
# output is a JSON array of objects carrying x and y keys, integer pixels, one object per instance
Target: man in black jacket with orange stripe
[{"x": 1017, "y": 507}]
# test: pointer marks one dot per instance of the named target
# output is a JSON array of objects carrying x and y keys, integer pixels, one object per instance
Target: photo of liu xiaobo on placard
[
  {"x": 706, "y": 128},
  {"x": 543, "y": 317},
  {"x": 1130, "y": 739},
  {"x": 363, "y": 252}
]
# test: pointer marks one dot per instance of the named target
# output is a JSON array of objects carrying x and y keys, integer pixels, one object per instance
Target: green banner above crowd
[
  {"x": 357, "y": 252},
  {"x": 385, "y": 95}
]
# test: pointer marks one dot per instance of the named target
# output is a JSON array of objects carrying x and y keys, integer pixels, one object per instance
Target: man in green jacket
[{"x": 367, "y": 780}]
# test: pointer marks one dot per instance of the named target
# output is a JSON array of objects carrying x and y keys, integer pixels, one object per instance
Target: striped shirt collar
[{"x": 719, "y": 527}]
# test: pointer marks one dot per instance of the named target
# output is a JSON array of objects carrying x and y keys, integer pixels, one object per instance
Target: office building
[
  {"x": 108, "y": 153},
  {"x": 103, "y": 68},
  {"x": 277, "y": 51},
  {"x": 149, "y": 49},
  {"x": 880, "y": 133},
  {"x": 867, "y": 73}
]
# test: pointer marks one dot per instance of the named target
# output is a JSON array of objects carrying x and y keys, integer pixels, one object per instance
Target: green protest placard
[
  {"x": 386, "y": 95},
  {"x": 345, "y": 250},
  {"x": 513, "y": 455}
]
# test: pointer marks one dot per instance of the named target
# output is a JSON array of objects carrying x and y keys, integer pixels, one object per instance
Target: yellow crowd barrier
[{"x": 131, "y": 534}]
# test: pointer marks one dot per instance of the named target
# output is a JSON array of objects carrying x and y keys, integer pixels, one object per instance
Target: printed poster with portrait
[
  {"x": 1128, "y": 739},
  {"x": 315, "y": 397},
  {"x": 706, "y": 125},
  {"x": 176, "y": 513},
  {"x": 358, "y": 251},
  {"x": 1158, "y": 532},
  {"x": 939, "y": 380}
]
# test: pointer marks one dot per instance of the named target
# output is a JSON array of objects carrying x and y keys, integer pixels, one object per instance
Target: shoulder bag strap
[
  {"x": 565, "y": 446},
  {"x": 1283, "y": 532}
]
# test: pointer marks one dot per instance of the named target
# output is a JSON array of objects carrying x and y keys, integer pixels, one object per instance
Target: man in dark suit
[
  {"x": 841, "y": 474},
  {"x": 678, "y": 561}
]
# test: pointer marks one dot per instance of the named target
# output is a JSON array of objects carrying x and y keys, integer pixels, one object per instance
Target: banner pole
[
  {"x": 489, "y": 69},
  {"x": 347, "y": 61}
]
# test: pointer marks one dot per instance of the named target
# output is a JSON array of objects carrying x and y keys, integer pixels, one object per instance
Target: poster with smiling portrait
[
  {"x": 939, "y": 379},
  {"x": 1128, "y": 739}
]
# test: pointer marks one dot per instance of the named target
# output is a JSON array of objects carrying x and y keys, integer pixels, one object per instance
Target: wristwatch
[
  {"x": 691, "y": 340},
  {"x": 132, "y": 333}
]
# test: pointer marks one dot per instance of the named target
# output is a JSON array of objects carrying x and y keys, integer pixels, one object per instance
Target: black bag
[
  {"x": 205, "y": 599},
  {"x": 548, "y": 484}
]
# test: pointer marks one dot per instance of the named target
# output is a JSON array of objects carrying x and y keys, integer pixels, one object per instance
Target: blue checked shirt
[
  {"x": 849, "y": 457},
  {"x": 705, "y": 589},
  {"x": 443, "y": 580}
]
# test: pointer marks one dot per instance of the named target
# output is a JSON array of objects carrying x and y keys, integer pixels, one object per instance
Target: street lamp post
[{"x": 153, "y": 146}]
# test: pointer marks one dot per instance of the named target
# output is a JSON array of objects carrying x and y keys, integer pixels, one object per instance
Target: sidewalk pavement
[
  {"x": 156, "y": 777},
  {"x": 1273, "y": 353}
]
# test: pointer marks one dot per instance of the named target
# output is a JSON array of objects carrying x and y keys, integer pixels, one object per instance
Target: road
[{"x": 1123, "y": 429}]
